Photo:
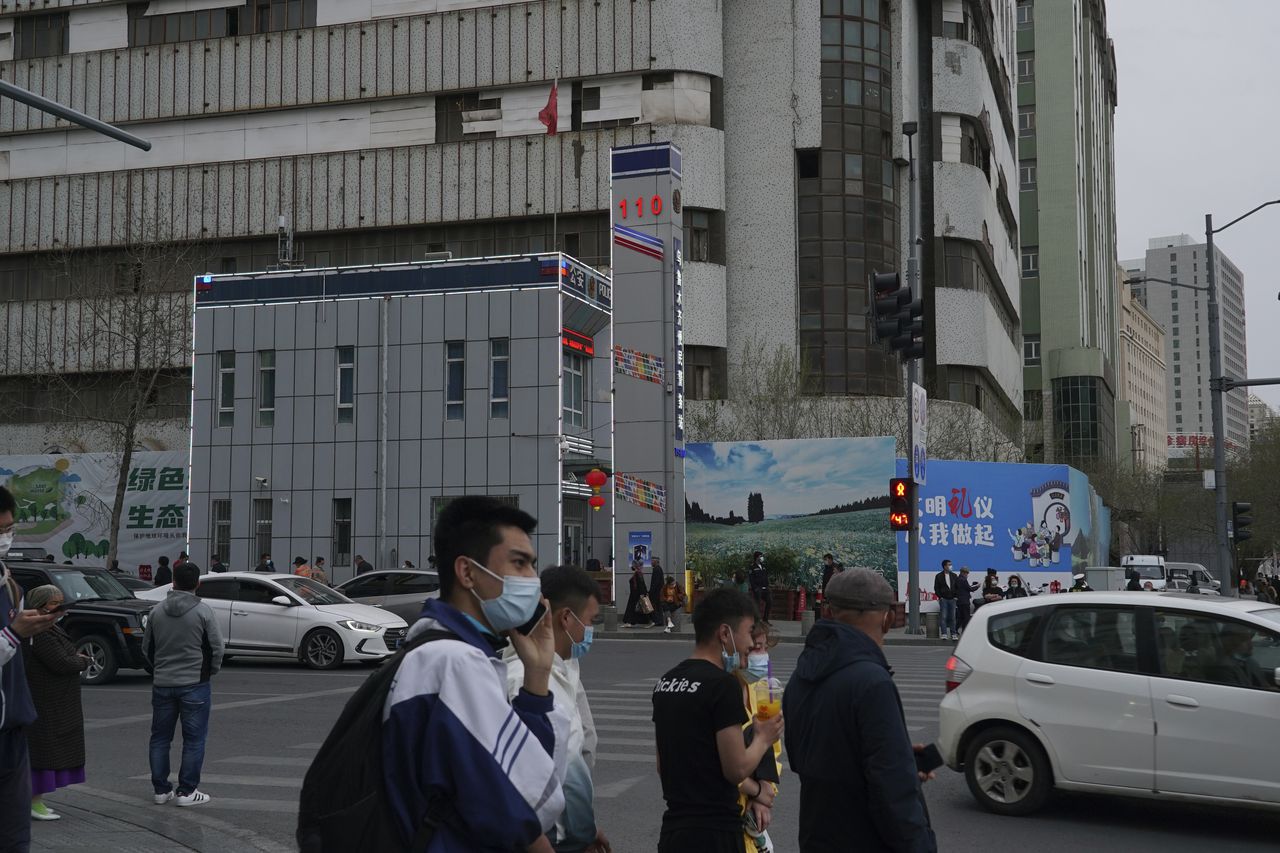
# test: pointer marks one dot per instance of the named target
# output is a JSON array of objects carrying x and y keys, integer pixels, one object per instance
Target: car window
[
  {"x": 88, "y": 586},
  {"x": 223, "y": 590},
  {"x": 1013, "y": 631},
  {"x": 312, "y": 592},
  {"x": 365, "y": 587},
  {"x": 413, "y": 584},
  {"x": 1093, "y": 637},
  {"x": 29, "y": 581},
  {"x": 254, "y": 592},
  {"x": 1200, "y": 647}
]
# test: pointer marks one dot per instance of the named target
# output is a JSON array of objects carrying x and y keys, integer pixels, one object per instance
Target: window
[
  {"x": 346, "y": 385},
  {"x": 366, "y": 587},
  {"x": 455, "y": 110},
  {"x": 266, "y": 388},
  {"x": 221, "y": 527},
  {"x": 454, "y": 376},
  {"x": 1199, "y": 647},
  {"x": 499, "y": 374},
  {"x": 1173, "y": 269},
  {"x": 1031, "y": 262},
  {"x": 413, "y": 584},
  {"x": 1027, "y": 175},
  {"x": 251, "y": 16},
  {"x": 219, "y": 590},
  {"x": 439, "y": 502},
  {"x": 1026, "y": 67},
  {"x": 1013, "y": 631},
  {"x": 1031, "y": 350},
  {"x": 1026, "y": 121},
  {"x": 706, "y": 369},
  {"x": 253, "y": 592},
  {"x": 590, "y": 98},
  {"x": 973, "y": 145},
  {"x": 704, "y": 236},
  {"x": 262, "y": 525},
  {"x": 226, "y": 388},
  {"x": 341, "y": 548},
  {"x": 573, "y": 390},
  {"x": 40, "y": 35},
  {"x": 1025, "y": 16},
  {"x": 1093, "y": 637}
]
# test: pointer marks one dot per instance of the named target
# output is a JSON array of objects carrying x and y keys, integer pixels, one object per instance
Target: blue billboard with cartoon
[{"x": 1041, "y": 522}]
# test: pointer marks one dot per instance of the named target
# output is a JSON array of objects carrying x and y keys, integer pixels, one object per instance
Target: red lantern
[
  {"x": 596, "y": 479},
  {"x": 596, "y": 502}
]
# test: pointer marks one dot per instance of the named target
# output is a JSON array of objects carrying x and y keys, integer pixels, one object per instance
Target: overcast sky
[{"x": 1198, "y": 131}]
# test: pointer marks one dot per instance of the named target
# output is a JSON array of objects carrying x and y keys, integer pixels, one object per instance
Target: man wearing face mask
[
  {"x": 698, "y": 715},
  {"x": 16, "y": 708},
  {"x": 574, "y": 601},
  {"x": 456, "y": 751},
  {"x": 847, "y": 737}
]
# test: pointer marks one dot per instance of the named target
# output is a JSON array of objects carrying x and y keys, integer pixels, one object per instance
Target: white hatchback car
[
  {"x": 1158, "y": 695},
  {"x": 275, "y": 615}
]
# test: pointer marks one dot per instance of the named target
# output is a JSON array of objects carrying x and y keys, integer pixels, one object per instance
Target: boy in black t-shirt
[{"x": 698, "y": 714}]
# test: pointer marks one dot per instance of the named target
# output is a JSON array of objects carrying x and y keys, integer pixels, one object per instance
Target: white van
[{"x": 1149, "y": 567}]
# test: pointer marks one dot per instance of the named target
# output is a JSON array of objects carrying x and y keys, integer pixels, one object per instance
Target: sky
[
  {"x": 795, "y": 477},
  {"x": 1198, "y": 131}
]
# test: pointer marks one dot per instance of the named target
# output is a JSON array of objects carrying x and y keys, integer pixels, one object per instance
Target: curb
[{"x": 652, "y": 634}]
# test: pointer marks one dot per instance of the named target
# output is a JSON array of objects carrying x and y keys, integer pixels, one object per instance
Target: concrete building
[
  {"x": 1184, "y": 316},
  {"x": 326, "y": 400},
  {"x": 1261, "y": 416},
  {"x": 1071, "y": 331},
  {"x": 1142, "y": 385}
]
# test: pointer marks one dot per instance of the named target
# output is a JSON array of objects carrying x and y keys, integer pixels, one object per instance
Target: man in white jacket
[{"x": 574, "y": 600}]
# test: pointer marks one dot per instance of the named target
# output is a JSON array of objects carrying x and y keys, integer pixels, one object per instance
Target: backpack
[{"x": 343, "y": 807}]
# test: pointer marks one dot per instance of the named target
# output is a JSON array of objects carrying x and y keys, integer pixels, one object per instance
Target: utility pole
[
  {"x": 913, "y": 365},
  {"x": 1216, "y": 392}
]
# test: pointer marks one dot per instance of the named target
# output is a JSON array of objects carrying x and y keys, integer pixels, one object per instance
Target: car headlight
[
  {"x": 145, "y": 616},
  {"x": 353, "y": 625}
]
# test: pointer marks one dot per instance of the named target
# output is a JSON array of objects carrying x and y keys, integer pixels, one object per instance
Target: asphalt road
[{"x": 269, "y": 718}]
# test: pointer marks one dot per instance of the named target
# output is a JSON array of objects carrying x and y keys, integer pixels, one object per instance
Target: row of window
[
  {"x": 220, "y": 529},
  {"x": 574, "y": 384}
]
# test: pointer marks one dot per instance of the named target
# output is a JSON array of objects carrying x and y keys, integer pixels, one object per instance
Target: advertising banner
[
  {"x": 64, "y": 506},
  {"x": 640, "y": 547}
]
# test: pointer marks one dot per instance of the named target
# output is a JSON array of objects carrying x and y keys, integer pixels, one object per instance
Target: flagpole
[{"x": 555, "y": 211}]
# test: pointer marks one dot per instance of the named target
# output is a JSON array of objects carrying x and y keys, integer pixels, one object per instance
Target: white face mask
[{"x": 6, "y": 542}]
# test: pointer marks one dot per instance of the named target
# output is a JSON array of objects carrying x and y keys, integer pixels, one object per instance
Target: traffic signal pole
[{"x": 913, "y": 282}]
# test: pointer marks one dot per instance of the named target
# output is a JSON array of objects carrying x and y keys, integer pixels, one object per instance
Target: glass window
[
  {"x": 262, "y": 525},
  {"x": 1031, "y": 262},
  {"x": 312, "y": 592},
  {"x": 1026, "y": 67},
  {"x": 573, "y": 390},
  {"x": 341, "y": 532},
  {"x": 346, "y": 385},
  {"x": 40, "y": 35},
  {"x": 226, "y": 388},
  {"x": 1027, "y": 175},
  {"x": 1199, "y": 647},
  {"x": 499, "y": 373},
  {"x": 1025, "y": 16},
  {"x": 406, "y": 583},
  {"x": 219, "y": 590},
  {"x": 366, "y": 587},
  {"x": 1031, "y": 350},
  {"x": 266, "y": 388},
  {"x": 1093, "y": 637},
  {"x": 1013, "y": 631},
  {"x": 221, "y": 526},
  {"x": 255, "y": 593},
  {"x": 455, "y": 376},
  {"x": 1026, "y": 121}
]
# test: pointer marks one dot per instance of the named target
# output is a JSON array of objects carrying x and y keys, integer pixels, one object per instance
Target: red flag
[{"x": 550, "y": 114}]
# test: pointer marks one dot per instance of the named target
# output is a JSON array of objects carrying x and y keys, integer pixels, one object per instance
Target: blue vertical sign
[{"x": 679, "y": 321}]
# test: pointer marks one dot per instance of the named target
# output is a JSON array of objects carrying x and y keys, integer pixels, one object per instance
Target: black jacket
[
  {"x": 164, "y": 575},
  {"x": 847, "y": 740},
  {"x": 944, "y": 590},
  {"x": 56, "y": 738}
]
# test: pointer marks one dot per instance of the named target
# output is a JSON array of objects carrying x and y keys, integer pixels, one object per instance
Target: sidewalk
[{"x": 788, "y": 632}]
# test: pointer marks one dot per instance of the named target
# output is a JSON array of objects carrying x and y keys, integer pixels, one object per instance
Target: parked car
[
  {"x": 1177, "y": 584},
  {"x": 263, "y": 615},
  {"x": 1162, "y": 695},
  {"x": 401, "y": 591},
  {"x": 133, "y": 584},
  {"x": 105, "y": 620},
  {"x": 1186, "y": 571}
]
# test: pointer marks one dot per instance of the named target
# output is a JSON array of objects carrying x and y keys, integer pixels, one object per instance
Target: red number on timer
[{"x": 655, "y": 206}]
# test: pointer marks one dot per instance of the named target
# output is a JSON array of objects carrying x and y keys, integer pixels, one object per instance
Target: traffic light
[
  {"x": 896, "y": 317},
  {"x": 902, "y": 492},
  {"x": 1240, "y": 520}
]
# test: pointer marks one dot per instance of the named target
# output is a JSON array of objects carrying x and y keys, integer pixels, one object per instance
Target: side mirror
[{"x": 282, "y": 600}]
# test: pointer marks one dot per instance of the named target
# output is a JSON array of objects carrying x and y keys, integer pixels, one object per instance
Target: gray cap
[{"x": 860, "y": 589}]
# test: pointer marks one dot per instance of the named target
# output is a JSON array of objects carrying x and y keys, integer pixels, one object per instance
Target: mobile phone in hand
[
  {"x": 61, "y": 608},
  {"x": 929, "y": 759},
  {"x": 533, "y": 623}
]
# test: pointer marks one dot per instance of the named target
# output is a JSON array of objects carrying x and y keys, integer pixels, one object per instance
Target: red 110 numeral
[{"x": 655, "y": 206}]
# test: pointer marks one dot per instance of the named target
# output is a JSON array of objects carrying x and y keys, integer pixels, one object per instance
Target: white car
[
  {"x": 1159, "y": 695},
  {"x": 273, "y": 615}
]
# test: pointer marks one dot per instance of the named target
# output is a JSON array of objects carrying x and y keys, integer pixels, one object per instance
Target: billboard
[
  {"x": 1042, "y": 522},
  {"x": 792, "y": 499},
  {"x": 64, "y": 505}
]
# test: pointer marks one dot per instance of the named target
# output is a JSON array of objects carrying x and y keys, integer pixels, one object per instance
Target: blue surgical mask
[
  {"x": 731, "y": 662},
  {"x": 757, "y": 666},
  {"x": 515, "y": 606},
  {"x": 579, "y": 648}
]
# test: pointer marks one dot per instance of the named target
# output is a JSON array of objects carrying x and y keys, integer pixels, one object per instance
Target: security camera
[{"x": 262, "y": 482}]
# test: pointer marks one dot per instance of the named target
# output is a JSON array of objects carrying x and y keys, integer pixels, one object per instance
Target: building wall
[{"x": 1143, "y": 381}]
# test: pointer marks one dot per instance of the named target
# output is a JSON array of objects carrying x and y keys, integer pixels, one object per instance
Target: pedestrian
[
  {"x": 740, "y": 583},
  {"x": 319, "y": 572},
  {"x": 448, "y": 706},
  {"x": 637, "y": 592},
  {"x": 1082, "y": 585},
  {"x": 1193, "y": 587},
  {"x": 759, "y": 580},
  {"x": 408, "y": 564},
  {"x": 829, "y": 568},
  {"x": 573, "y": 600},
  {"x": 182, "y": 558},
  {"x": 698, "y": 715},
  {"x": 991, "y": 589},
  {"x": 944, "y": 586},
  {"x": 18, "y": 622},
  {"x": 55, "y": 740},
  {"x": 1016, "y": 587},
  {"x": 757, "y": 810},
  {"x": 847, "y": 737},
  {"x": 164, "y": 575},
  {"x": 184, "y": 647},
  {"x": 657, "y": 581},
  {"x": 673, "y": 599},
  {"x": 1134, "y": 583},
  {"x": 264, "y": 564},
  {"x": 301, "y": 568},
  {"x": 362, "y": 565},
  {"x": 216, "y": 565},
  {"x": 964, "y": 598}
]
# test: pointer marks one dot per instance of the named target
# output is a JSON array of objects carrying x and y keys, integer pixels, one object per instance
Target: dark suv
[{"x": 105, "y": 620}]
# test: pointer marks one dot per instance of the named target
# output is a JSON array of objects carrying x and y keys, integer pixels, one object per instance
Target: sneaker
[
  {"x": 666, "y": 630},
  {"x": 40, "y": 811},
  {"x": 161, "y": 799},
  {"x": 195, "y": 798}
]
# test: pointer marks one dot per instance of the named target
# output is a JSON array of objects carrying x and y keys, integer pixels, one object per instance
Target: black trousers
[
  {"x": 15, "y": 792},
  {"x": 701, "y": 841}
]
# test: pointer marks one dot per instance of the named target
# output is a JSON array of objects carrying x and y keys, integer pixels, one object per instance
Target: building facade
[
  {"x": 1261, "y": 416},
  {"x": 336, "y": 412},
  {"x": 1184, "y": 315},
  {"x": 1071, "y": 342},
  {"x": 1142, "y": 384}
]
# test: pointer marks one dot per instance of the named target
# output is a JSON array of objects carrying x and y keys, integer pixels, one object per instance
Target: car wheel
[
  {"x": 1008, "y": 772},
  {"x": 102, "y": 660},
  {"x": 321, "y": 649}
]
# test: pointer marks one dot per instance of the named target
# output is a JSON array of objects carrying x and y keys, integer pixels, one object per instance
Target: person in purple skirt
[{"x": 56, "y": 738}]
